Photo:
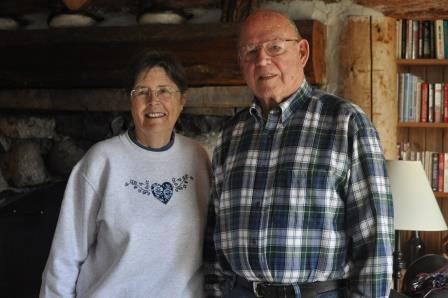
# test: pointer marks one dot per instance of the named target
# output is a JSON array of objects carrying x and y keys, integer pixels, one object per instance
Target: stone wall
[{"x": 42, "y": 148}]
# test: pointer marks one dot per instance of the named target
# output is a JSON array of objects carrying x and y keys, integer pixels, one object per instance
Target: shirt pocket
[{"x": 308, "y": 188}]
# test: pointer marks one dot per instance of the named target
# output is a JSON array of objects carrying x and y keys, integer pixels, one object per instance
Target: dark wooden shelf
[
  {"x": 441, "y": 195},
  {"x": 421, "y": 125},
  {"x": 97, "y": 57},
  {"x": 422, "y": 62}
]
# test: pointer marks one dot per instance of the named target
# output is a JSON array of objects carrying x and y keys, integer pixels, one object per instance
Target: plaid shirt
[{"x": 301, "y": 197}]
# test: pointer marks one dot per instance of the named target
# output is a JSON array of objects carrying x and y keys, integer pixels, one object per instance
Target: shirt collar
[
  {"x": 287, "y": 107},
  {"x": 133, "y": 138}
]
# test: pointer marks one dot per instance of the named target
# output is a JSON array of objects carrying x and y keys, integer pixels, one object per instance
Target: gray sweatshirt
[{"x": 131, "y": 223}]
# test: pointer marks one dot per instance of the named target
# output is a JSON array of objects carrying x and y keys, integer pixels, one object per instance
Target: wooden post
[
  {"x": 368, "y": 73},
  {"x": 384, "y": 86},
  {"x": 355, "y": 68}
]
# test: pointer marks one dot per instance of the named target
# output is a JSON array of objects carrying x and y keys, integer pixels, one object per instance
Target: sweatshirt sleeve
[
  {"x": 218, "y": 274},
  {"x": 75, "y": 233}
]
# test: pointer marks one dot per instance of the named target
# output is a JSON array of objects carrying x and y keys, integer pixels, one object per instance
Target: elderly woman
[{"x": 134, "y": 210}]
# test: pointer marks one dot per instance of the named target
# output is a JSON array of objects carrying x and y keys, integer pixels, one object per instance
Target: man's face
[{"x": 272, "y": 78}]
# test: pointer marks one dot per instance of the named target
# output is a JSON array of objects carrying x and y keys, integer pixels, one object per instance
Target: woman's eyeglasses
[
  {"x": 249, "y": 52},
  {"x": 161, "y": 93}
]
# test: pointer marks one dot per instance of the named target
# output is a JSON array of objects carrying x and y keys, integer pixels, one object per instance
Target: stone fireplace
[{"x": 39, "y": 148}]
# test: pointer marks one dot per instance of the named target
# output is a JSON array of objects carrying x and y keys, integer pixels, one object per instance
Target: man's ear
[{"x": 304, "y": 51}]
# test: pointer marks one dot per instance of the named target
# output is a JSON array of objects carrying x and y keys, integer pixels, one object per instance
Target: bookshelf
[
  {"x": 441, "y": 195},
  {"x": 424, "y": 136},
  {"x": 421, "y": 62},
  {"x": 421, "y": 125}
]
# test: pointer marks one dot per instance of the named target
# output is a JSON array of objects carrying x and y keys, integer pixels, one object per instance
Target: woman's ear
[{"x": 183, "y": 98}]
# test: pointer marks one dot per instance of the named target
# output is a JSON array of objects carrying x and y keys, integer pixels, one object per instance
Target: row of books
[
  {"x": 435, "y": 165},
  {"x": 420, "y": 101},
  {"x": 422, "y": 39}
]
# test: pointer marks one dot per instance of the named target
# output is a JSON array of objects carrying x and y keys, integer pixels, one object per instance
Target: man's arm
[{"x": 369, "y": 218}]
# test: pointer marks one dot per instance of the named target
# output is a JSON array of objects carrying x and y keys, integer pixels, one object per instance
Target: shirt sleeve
[
  {"x": 217, "y": 271},
  {"x": 369, "y": 218},
  {"x": 75, "y": 232}
]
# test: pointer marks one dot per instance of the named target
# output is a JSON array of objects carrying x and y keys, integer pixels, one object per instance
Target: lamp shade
[{"x": 415, "y": 206}]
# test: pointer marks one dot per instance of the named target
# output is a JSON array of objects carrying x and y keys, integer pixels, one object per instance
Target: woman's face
[{"x": 156, "y": 103}]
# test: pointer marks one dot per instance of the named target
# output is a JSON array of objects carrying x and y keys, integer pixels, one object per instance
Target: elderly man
[{"x": 301, "y": 204}]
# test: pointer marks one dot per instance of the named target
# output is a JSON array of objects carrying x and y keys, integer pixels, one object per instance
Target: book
[
  {"x": 439, "y": 43},
  {"x": 409, "y": 41},
  {"x": 406, "y": 101},
  {"x": 438, "y": 102},
  {"x": 445, "y": 37},
  {"x": 412, "y": 97},
  {"x": 404, "y": 30},
  {"x": 445, "y": 172},
  {"x": 420, "y": 39},
  {"x": 435, "y": 171},
  {"x": 430, "y": 102},
  {"x": 414, "y": 50},
  {"x": 418, "y": 99},
  {"x": 398, "y": 33},
  {"x": 401, "y": 108},
  {"x": 440, "y": 174},
  {"x": 432, "y": 39},
  {"x": 426, "y": 39},
  {"x": 445, "y": 100},
  {"x": 428, "y": 164},
  {"x": 424, "y": 102}
]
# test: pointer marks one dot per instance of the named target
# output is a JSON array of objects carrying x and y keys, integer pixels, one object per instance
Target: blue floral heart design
[{"x": 162, "y": 192}]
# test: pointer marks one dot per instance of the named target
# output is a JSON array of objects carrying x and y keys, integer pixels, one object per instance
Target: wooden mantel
[{"x": 96, "y": 57}]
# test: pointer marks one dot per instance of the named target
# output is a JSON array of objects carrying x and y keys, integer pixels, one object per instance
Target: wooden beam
[
  {"x": 97, "y": 57},
  {"x": 116, "y": 99},
  {"x": 410, "y": 9},
  {"x": 210, "y": 111},
  {"x": 21, "y": 7}
]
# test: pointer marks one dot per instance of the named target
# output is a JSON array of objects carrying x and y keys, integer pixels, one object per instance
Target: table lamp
[{"x": 415, "y": 206}]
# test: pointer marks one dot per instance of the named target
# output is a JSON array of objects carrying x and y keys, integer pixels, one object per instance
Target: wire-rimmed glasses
[
  {"x": 163, "y": 93},
  {"x": 276, "y": 47}
]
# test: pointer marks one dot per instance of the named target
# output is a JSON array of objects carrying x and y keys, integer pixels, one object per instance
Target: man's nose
[{"x": 262, "y": 57}]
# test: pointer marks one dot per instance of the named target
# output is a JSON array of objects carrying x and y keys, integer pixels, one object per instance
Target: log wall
[
  {"x": 97, "y": 57},
  {"x": 368, "y": 73}
]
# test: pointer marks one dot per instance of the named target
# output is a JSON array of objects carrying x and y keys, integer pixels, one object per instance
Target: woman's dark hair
[{"x": 148, "y": 59}]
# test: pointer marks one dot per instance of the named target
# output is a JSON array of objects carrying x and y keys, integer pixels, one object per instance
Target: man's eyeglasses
[
  {"x": 249, "y": 52},
  {"x": 161, "y": 93}
]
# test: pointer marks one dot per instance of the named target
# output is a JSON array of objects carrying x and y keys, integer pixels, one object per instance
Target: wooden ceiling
[
  {"x": 394, "y": 8},
  {"x": 409, "y": 8},
  {"x": 18, "y": 8}
]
